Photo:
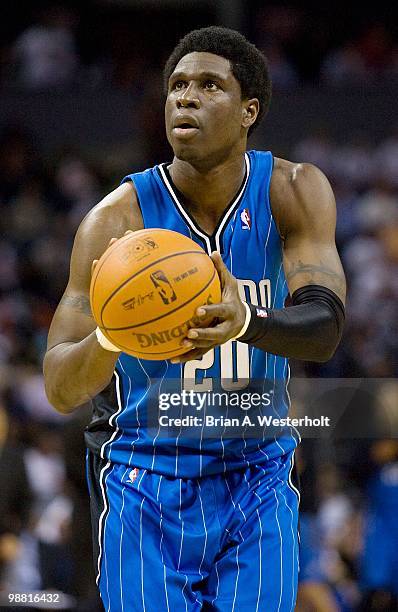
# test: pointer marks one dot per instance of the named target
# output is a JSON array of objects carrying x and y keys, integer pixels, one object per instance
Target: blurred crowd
[
  {"x": 350, "y": 493},
  {"x": 96, "y": 43}
]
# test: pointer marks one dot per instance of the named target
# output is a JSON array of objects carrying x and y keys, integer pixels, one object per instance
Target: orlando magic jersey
[{"x": 126, "y": 429}]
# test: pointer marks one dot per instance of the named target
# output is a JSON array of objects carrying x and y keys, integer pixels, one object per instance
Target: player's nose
[{"x": 188, "y": 98}]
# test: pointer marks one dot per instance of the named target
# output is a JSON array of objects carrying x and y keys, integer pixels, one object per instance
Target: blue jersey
[{"x": 123, "y": 429}]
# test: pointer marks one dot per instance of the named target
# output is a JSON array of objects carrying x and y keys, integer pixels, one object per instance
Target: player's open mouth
[
  {"x": 185, "y": 130},
  {"x": 185, "y": 125}
]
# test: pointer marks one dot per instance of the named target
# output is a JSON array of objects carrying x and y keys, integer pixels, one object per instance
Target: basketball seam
[
  {"x": 109, "y": 251},
  {"x": 151, "y": 265},
  {"x": 166, "y": 314},
  {"x": 158, "y": 356}
]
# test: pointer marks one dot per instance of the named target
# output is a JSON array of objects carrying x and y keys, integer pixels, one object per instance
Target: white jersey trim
[{"x": 190, "y": 222}]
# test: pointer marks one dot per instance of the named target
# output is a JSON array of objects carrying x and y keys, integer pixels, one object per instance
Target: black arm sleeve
[{"x": 310, "y": 329}]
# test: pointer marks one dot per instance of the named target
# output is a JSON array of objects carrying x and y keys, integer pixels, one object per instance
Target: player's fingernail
[
  {"x": 187, "y": 344},
  {"x": 200, "y": 312},
  {"x": 192, "y": 333}
]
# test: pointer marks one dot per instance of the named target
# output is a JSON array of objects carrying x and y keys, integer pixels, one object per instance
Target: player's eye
[
  {"x": 210, "y": 85},
  {"x": 178, "y": 85}
]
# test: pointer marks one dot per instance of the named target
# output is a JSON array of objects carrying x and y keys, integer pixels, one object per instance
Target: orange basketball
[{"x": 146, "y": 288}]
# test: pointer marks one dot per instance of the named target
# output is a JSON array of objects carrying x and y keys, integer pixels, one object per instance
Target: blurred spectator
[
  {"x": 334, "y": 504},
  {"x": 18, "y": 161},
  {"x": 386, "y": 159},
  {"x": 379, "y": 564},
  {"x": 15, "y": 500},
  {"x": 353, "y": 162},
  {"x": 45, "y": 53},
  {"x": 314, "y": 594},
  {"x": 79, "y": 186},
  {"x": 364, "y": 61},
  {"x": 283, "y": 73},
  {"x": 45, "y": 467},
  {"x": 16, "y": 493},
  {"x": 345, "y": 65},
  {"x": 318, "y": 149}
]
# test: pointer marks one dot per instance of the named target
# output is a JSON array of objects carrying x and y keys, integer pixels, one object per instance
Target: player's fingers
[
  {"x": 204, "y": 344},
  {"x": 222, "y": 270},
  {"x": 215, "y": 335},
  {"x": 194, "y": 354},
  {"x": 112, "y": 241},
  {"x": 222, "y": 311}
]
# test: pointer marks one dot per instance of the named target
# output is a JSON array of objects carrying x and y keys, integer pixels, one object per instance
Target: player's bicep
[
  {"x": 314, "y": 263},
  {"x": 310, "y": 255},
  {"x": 73, "y": 319}
]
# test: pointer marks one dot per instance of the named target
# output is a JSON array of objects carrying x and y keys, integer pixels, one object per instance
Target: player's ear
[{"x": 249, "y": 112}]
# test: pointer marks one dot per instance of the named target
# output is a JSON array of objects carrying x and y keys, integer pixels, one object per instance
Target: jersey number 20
[{"x": 234, "y": 361}]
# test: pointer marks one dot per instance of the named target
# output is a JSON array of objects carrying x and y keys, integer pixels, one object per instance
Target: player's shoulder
[
  {"x": 117, "y": 212},
  {"x": 291, "y": 177},
  {"x": 122, "y": 202},
  {"x": 298, "y": 191}
]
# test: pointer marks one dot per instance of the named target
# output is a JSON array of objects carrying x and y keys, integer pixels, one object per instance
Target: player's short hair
[{"x": 249, "y": 66}]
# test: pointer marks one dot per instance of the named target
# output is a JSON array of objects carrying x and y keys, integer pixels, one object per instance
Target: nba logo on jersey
[
  {"x": 245, "y": 219},
  {"x": 133, "y": 475}
]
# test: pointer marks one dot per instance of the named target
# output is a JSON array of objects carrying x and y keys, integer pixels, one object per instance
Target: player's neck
[{"x": 210, "y": 190}]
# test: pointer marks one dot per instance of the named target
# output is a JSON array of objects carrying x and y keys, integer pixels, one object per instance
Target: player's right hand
[
  {"x": 104, "y": 342},
  {"x": 112, "y": 241},
  {"x": 230, "y": 315}
]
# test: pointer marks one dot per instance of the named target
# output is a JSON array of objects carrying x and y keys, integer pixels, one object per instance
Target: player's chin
[{"x": 186, "y": 152}]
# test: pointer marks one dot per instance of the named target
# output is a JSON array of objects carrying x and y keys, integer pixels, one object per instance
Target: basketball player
[{"x": 185, "y": 523}]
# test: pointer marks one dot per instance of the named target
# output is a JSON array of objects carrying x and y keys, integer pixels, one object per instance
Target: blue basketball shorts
[{"x": 223, "y": 542}]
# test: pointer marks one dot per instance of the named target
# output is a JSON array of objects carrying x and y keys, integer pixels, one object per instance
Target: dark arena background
[{"x": 79, "y": 108}]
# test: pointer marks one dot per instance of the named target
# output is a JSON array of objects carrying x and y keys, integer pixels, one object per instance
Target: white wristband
[
  {"x": 246, "y": 323},
  {"x": 104, "y": 342}
]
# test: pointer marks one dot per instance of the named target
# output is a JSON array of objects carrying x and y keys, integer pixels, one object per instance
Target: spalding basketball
[{"x": 146, "y": 288}]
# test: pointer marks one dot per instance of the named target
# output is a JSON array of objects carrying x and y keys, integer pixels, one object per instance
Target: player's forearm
[
  {"x": 309, "y": 330},
  {"x": 76, "y": 372}
]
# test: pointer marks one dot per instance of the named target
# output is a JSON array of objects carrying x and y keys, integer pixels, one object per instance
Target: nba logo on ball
[
  {"x": 163, "y": 286},
  {"x": 245, "y": 219}
]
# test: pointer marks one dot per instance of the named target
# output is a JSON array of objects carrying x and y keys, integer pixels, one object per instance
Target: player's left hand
[{"x": 230, "y": 313}]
